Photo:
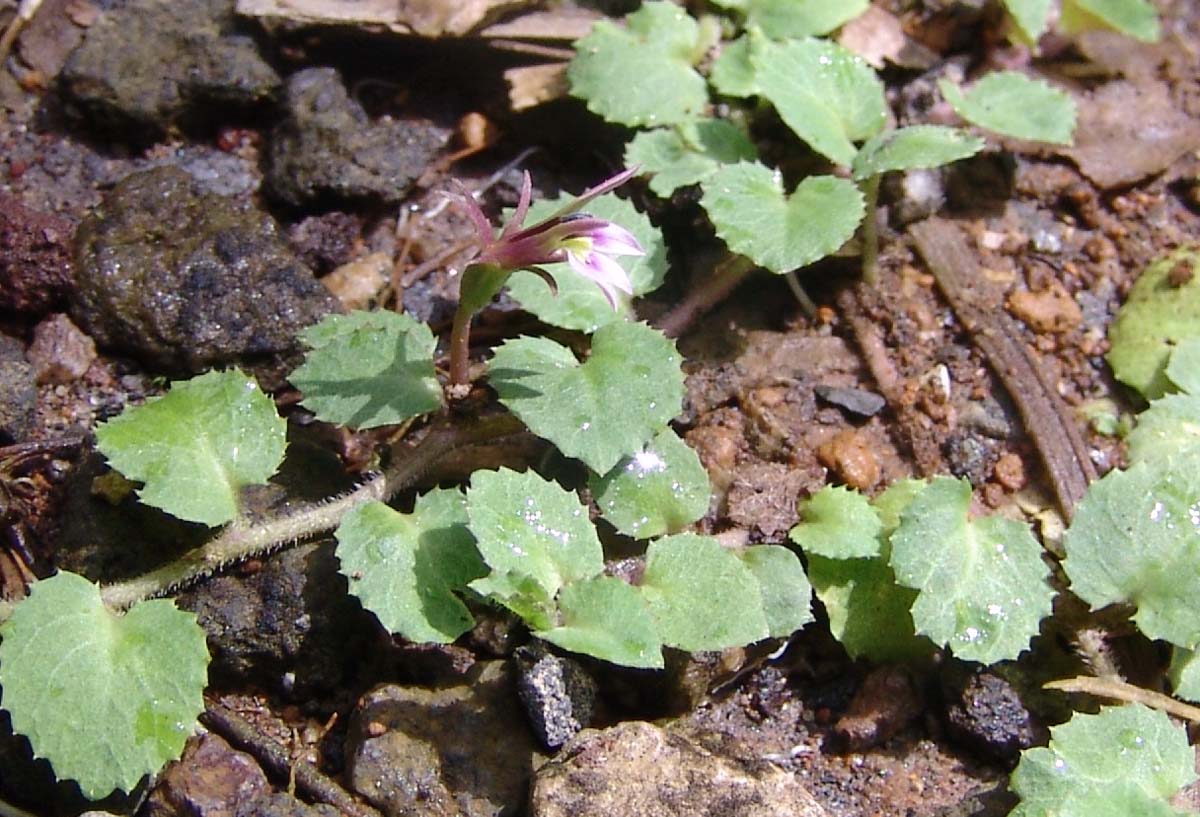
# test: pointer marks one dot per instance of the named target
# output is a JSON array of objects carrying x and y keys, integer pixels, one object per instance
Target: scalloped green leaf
[
  {"x": 106, "y": 698},
  {"x": 838, "y": 523},
  {"x": 1168, "y": 430},
  {"x": 528, "y": 526},
  {"x": 407, "y": 568},
  {"x": 1123, "y": 760},
  {"x": 914, "y": 147},
  {"x": 1183, "y": 367},
  {"x": 197, "y": 446},
  {"x": 784, "y": 19},
  {"x": 786, "y": 593},
  {"x": 1161, "y": 312},
  {"x": 732, "y": 72},
  {"x": 702, "y": 596},
  {"x": 688, "y": 153},
  {"x": 1136, "y": 538},
  {"x": 661, "y": 489},
  {"x": 1031, "y": 16},
  {"x": 827, "y": 94},
  {"x": 368, "y": 369},
  {"x": 781, "y": 233},
  {"x": 868, "y": 611},
  {"x": 1133, "y": 18},
  {"x": 579, "y": 304},
  {"x": 892, "y": 502},
  {"x": 1185, "y": 673},
  {"x": 643, "y": 74},
  {"x": 597, "y": 411},
  {"x": 606, "y": 618},
  {"x": 520, "y": 593},
  {"x": 1012, "y": 104},
  {"x": 982, "y": 585}
]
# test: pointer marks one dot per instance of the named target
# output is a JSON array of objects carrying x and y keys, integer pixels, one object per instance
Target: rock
[
  {"x": 18, "y": 391},
  {"x": 291, "y": 626},
  {"x": 985, "y": 712},
  {"x": 970, "y": 455},
  {"x": 916, "y": 194},
  {"x": 558, "y": 694},
  {"x": 1051, "y": 310},
  {"x": 210, "y": 780},
  {"x": 464, "y": 750},
  {"x": 184, "y": 280},
  {"x": 358, "y": 283},
  {"x": 848, "y": 454},
  {"x": 60, "y": 352},
  {"x": 856, "y": 401},
  {"x": 887, "y": 701},
  {"x": 150, "y": 64},
  {"x": 638, "y": 768},
  {"x": 326, "y": 241},
  {"x": 279, "y": 804},
  {"x": 327, "y": 146},
  {"x": 35, "y": 265}
]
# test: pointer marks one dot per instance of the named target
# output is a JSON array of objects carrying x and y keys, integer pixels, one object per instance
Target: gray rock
[
  {"x": 638, "y": 768},
  {"x": 291, "y": 626},
  {"x": 985, "y": 712},
  {"x": 184, "y": 280},
  {"x": 327, "y": 146},
  {"x": 464, "y": 751},
  {"x": 18, "y": 391},
  {"x": 150, "y": 64},
  {"x": 60, "y": 353},
  {"x": 558, "y": 694},
  {"x": 856, "y": 401},
  {"x": 279, "y": 804}
]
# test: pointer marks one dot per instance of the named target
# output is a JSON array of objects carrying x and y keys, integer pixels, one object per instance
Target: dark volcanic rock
[
  {"x": 327, "y": 146},
  {"x": 152, "y": 63},
  {"x": 35, "y": 266},
  {"x": 18, "y": 391},
  {"x": 184, "y": 280},
  {"x": 558, "y": 694},
  {"x": 985, "y": 712},
  {"x": 212, "y": 779}
]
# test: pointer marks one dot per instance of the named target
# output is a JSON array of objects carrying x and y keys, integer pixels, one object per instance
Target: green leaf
[
  {"x": 825, "y": 93},
  {"x": 1031, "y": 16},
  {"x": 914, "y": 147},
  {"x": 1161, "y": 312},
  {"x": 1136, "y": 538},
  {"x": 368, "y": 369},
  {"x": 641, "y": 75},
  {"x": 838, "y": 523},
  {"x": 1012, "y": 104},
  {"x": 520, "y": 593},
  {"x": 982, "y": 583},
  {"x": 106, "y": 699},
  {"x": 892, "y": 502},
  {"x": 608, "y": 619},
  {"x": 702, "y": 596},
  {"x": 406, "y": 568},
  {"x": 868, "y": 611},
  {"x": 1124, "y": 760},
  {"x": 784, "y": 19},
  {"x": 579, "y": 304},
  {"x": 781, "y": 233},
  {"x": 196, "y": 447},
  {"x": 658, "y": 490},
  {"x": 528, "y": 526},
  {"x": 598, "y": 411},
  {"x": 1134, "y": 18},
  {"x": 1183, "y": 367},
  {"x": 786, "y": 593},
  {"x": 1167, "y": 431},
  {"x": 1185, "y": 674},
  {"x": 733, "y": 71},
  {"x": 688, "y": 153}
]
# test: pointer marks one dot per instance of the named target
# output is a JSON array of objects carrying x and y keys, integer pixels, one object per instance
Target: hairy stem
[
  {"x": 460, "y": 348},
  {"x": 870, "y": 231},
  {"x": 725, "y": 278},
  {"x": 238, "y": 543},
  {"x": 1122, "y": 691}
]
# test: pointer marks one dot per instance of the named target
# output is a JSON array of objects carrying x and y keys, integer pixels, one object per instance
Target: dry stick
[
  {"x": 1122, "y": 691},
  {"x": 275, "y": 757},
  {"x": 25, "y": 12},
  {"x": 725, "y": 278},
  {"x": 240, "y": 542},
  {"x": 1047, "y": 419}
]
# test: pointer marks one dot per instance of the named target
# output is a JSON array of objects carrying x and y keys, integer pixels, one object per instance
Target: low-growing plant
[{"x": 133, "y": 670}]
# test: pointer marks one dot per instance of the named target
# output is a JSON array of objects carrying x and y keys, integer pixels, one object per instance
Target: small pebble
[
  {"x": 856, "y": 401},
  {"x": 849, "y": 456},
  {"x": 60, "y": 353},
  {"x": 1051, "y": 310}
]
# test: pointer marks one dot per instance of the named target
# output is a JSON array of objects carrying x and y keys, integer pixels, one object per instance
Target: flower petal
[
  {"x": 603, "y": 272},
  {"x": 483, "y": 228},
  {"x": 611, "y": 183},
  {"x": 518, "y": 216},
  {"x": 613, "y": 239}
]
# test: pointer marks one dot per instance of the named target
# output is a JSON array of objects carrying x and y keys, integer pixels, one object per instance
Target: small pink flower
[{"x": 583, "y": 241}]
